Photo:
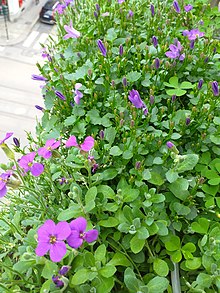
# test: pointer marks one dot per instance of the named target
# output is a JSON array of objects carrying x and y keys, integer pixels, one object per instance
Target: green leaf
[
  {"x": 110, "y": 134},
  {"x": 119, "y": 259},
  {"x": 171, "y": 175},
  {"x": 176, "y": 256},
  {"x": 142, "y": 233},
  {"x": 156, "y": 179},
  {"x": 201, "y": 226},
  {"x": 186, "y": 85},
  {"x": 109, "y": 174},
  {"x": 136, "y": 244},
  {"x": 181, "y": 209},
  {"x": 73, "y": 211},
  {"x": 80, "y": 277},
  {"x": 204, "y": 280},
  {"x": 214, "y": 181},
  {"x": 158, "y": 285},
  {"x": 215, "y": 138},
  {"x": 193, "y": 264},
  {"x": 131, "y": 281},
  {"x": 180, "y": 188},
  {"x": 50, "y": 269},
  {"x": 130, "y": 194},
  {"x": 100, "y": 253},
  {"x": 115, "y": 151},
  {"x": 90, "y": 199},
  {"x": 189, "y": 247},
  {"x": 173, "y": 243},
  {"x": 111, "y": 35},
  {"x": 174, "y": 81},
  {"x": 133, "y": 76},
  {"x": 110, "y": 222},
  {"x": 160, "y": 267},
  {"x": 106, "y": 190},
  {"x": 46, "y": 286},
  {"x": 210, "y": 189},
  {"x": 105, "y": 285},
  {"x": 23, "y": 265},
  {"x": 146, "y": 82},
  {"x": 107, "y": 271},
  {"x": 128, "y": 154},
  {"x": 178, "y": 92}
]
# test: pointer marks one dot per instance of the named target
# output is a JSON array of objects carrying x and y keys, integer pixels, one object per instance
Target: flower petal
[
  {"x": 44, "y": 152},
  {"x": 46, "y": 230},
  {"x": 88, "y": 144},
  {"x": 3, "y": 191},
  {"x": 78, "y": 224},
  {"x": 57, "y": 251},
  {"x": 74, "y": 239},
  {"x": 91, "y": 235},
  {"x": 62, "y": 230},
  {"x": 37, "y": 169},
  {"x": 42, "y": 248},
  {"x": 71, "y": 142}
]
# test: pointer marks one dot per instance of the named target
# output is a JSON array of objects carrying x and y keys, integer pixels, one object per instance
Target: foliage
[{"x": 156, "y": 207}]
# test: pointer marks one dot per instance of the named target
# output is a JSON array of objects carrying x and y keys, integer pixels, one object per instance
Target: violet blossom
[
  {"x": 152, "y": 10},
  {"x": 157, "y": 63},
  {"x": 51, "y": 238},
  {"x": 46, "y": 151},
  {"x": 86, "y": 146},
  {"x": 38, "y": 77},
  {"x": 71, "y": 32},
  {"x": 200, "y": 83},
  {"x": 193, "y": 34},
  {"x": 102, "y": 48},
  {"x": 121, "y": 50},
  {"x": 3, "y": 181},
  {"x": 175, "y": 51},
  {"x": 59, "y": 283},
  {"x": 215, "y": 88},
  {"x": 60, "y": 8},
  {"x": 130, "y": 14},
  {"x": 176, "y": 6},
  {"x": 135, "y": 98},
  {"x": 60, "y": 95},
  {"x": 154, "y": 41},
  {"x": 7, "y": 136},
  {"x": 170, "y": 145},
  {"x": 188, "y": 7},
  {"x": 78, "y": 233},
  {"x": 78, "y": 94},
  {"x": 26, "y": 162},
  {"x": 121, "y": 1}
]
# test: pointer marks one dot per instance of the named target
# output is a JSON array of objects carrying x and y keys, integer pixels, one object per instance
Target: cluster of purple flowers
[
  {"x": 175, "y": 51},
  {"x": 51, "y": 237}
]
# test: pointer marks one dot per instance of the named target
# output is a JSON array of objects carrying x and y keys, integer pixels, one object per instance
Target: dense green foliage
[{"x": 156, "y": 208}]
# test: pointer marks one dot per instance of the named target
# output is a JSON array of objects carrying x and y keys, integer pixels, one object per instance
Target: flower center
[
  {"x": 53, "y": 239},
  {"x": 30, "y": 164},
  {"x": 82, "y": 235},
  {"x": 3, "y": 180},
  {"x": 49, "y": 148}
]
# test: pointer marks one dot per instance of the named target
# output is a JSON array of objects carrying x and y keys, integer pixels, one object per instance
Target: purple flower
[
  {"x": 64, "y": 270},
  {"x": 152, "y": 99},
  {"x": 152, "y": 10},
  {"x": 63, "y": 180},
  {"x": 60, "y": 95},
  {"x": 60, "y": 8},
  {"x": 130, "y": 14},
  {"x": 71, "y": 32},
  {"x": 97, "y": 7},
  {"x": 78, "y": 234},
  {"x": 86, "y": 146},
  {"x": 7, "y": 136},
  {"x": 124, "y": 81},
  {"x": 170, "y": 145},
  {"x": 157, "y": 63},
  {"x": 176, "y": 6},
  {"x": 16, "y": 142},
  {"x": 59, "y": 283},
  {"x": 193, "y": 34},
  {"x": 3, "y": 181},
  {"x": 101, "y": 134},
  {"x": 27, "y": 163},
  {"x": 38, "y": 77},
  {"x": 95, "y": 167},
  {"x": 192, "y": 43},
  {"x": 78, "y": 94},
  {"x": 175, "y": 52},
  {"x": 102, "y": 48},
  {"x": 46, "y": 151},
  {"x": 173, "y": 98},
  {"x": 135, "y": 98},
  {"x": 188, "y": 7},
  {"x": 155, "y": 41},
  {"x": 200, "y": 83},
  {"x": 188, "y": 120},
  {"x": 95, "y": 14},
  {"x": 121, "y": 1},
  {"x": 215, "y": 88},
  {"x": 121, "y": 50},
  {"x": 39, "y": 108},
  {"x": 50, "y": 238}
]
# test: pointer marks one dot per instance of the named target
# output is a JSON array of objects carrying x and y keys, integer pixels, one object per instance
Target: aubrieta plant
[{"x": 119, "y": 191}]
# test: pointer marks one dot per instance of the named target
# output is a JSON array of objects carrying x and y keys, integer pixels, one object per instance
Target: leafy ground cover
[{"x": 120, "y": 190}]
